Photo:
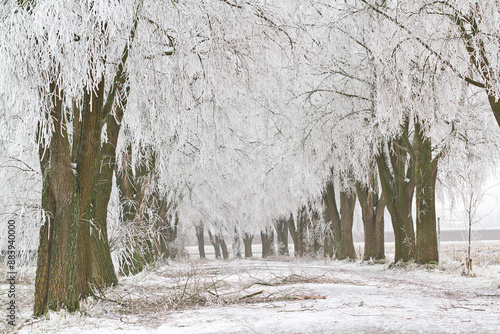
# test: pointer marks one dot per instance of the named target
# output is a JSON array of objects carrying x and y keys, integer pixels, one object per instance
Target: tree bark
[
  {"x": 56, "y": 276},
  {"x": 342, "y": 244},
  {"x": 372, "y": 210},
  {"x": 315, "y": 233},
  {"x": 247, "y": 242},
  {"x": 282, "y": 233},
  {"x": 167, "y": 224},
  {"x": 293, "y": 234},
  {"x": 298, "y": 233},
  {"x": 236, "y": 244},
  {"x": 64, "y": 267},
  {"x": 46, "y": 234},
  {"x": 267, "y": 237},
  {"x": 347, "y": 203},
  {"x": 398, "y": 191},
  {"x": 136, "y": 197},
  {"x": 332, "y": 218},
  {"x": 223, "y": 247},
  {"x": 201, "y": 240},
  {"x": 215, "y": 243},
  {"x": 103, "y": 271},
  {"x": 86, "y": 159},
  {"x": 426, "y": 173}
]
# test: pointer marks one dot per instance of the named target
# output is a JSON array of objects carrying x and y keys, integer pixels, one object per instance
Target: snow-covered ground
[{"x": 285, "y": 296}]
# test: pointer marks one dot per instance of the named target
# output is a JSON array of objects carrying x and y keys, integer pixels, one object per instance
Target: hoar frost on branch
[{"x": 240, "y": 113}]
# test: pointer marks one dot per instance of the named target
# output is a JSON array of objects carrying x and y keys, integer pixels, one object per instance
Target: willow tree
[
  {"x": 69, "y": 176},
  {"x": 70, "y": 86},
  {"x": 462, "y": 35}
]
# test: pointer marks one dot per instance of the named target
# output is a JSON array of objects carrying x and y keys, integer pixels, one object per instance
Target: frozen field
[{"x": 287, "y": 296}]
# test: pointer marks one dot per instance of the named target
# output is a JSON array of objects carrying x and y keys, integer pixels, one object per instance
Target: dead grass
[
  {"x": 483, "y": 253},
  {"x": 163, "y": 290},
  {"x": 192, "y": 285}
]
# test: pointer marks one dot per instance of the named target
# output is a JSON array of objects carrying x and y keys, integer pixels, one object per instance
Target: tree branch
[{"x": 426, "y": 46}]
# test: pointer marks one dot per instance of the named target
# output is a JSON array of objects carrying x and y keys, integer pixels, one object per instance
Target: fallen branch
[
  {"x": 311, "y": 297},
  {"x": 252, "y": 295}
]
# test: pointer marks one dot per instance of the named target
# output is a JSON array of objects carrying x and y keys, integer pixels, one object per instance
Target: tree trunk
[
  {"x": 265, "y": 245},
  {"x": 56, "y": 276},
  {"x": 315, "y": 235},
  {"x": 201, "y": 240},
  {"x": 136, "y": 191},
  {"x": 236, "y": 244},
  {"x": 87, "y": 164},
  {"x": 334, "y": 241},
  {"x": 379, "y": 229},
  {"x": 426, "y": 172},
  {"x": 267, "y": 237},
  {"x": 347, "y": 203},
  {"x": 169, "y": 237},
  {"x": 215, "y": 243},
  {"x": 282, "y": 233},
  {"x": 247, "y": 242},
  {"x": 103, "y": 271},
  {"x": 167, "y": 224},
  {"x": 302, "y": 232},
  {"x": 223, "y": 247},
  {"x": 372, "y": 210},
  {"x": 328, "y": 251},
  {"x": 295, "y": 238},
  {"x": 64, "y": 267},
  {"x": 46, "y": 234},
  {"x": 298, "y": 233},
  {"x": 398, "y": 192}
]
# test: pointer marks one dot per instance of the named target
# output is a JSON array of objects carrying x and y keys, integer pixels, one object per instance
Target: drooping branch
[{"x": 425, "y": 45}]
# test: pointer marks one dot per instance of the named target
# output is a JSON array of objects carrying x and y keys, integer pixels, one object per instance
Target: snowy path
[{"x": 360, "y": 298}]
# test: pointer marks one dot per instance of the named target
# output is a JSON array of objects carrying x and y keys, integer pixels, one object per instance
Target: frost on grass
[
  {"x": 247, "y": 296},
  {"x": 188, "y": 285},
  {"x": 168, "y": 289}
]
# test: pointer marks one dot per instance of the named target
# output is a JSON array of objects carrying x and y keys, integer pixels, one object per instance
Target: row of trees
[{"x": 244, "y": 116}]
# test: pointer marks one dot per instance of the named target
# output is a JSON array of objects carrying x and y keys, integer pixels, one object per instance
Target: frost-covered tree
[
  {"x": 462, "y": 35},
  {"x": 170, "y": 68},
  {"x": 234, "y": 115},
  {"x": 68, "y": 91},
  {"x": 382, "y": 74}
]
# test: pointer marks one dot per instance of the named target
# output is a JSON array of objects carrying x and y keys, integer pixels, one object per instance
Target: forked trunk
[
  {"x": 398, "y": 192},
  {"x": 64, "y": 265}
]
